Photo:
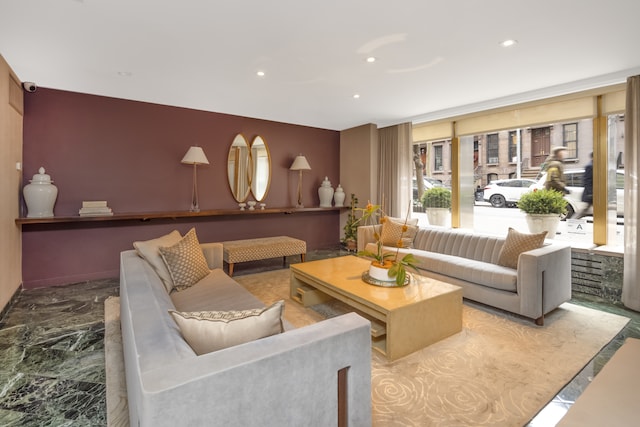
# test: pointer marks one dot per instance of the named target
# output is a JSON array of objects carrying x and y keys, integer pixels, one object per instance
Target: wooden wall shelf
[{"x": 146, "y": 216}]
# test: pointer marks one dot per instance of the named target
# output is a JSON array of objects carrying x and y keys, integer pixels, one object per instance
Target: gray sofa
[
  {"x": 539, "y": 284},
  {"x": 288, "y": 379}
]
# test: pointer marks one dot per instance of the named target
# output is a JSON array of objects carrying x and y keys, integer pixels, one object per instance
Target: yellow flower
[
  {"x": 399, "y": 243},
  {"x": 404, "y": 228},
  {"x": 383, "y": 220}
]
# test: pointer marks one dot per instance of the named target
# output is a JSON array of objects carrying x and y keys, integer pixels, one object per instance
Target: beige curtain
[
  {"x": 631, "y": 281},
  {"x": 394, "y": 181}
]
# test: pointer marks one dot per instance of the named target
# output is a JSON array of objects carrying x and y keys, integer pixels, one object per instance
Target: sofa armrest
[
  {"x": 365, "y": 236},
  {"x": 544, "y": 279},
  {"x": 213, "y": 254},
  {"x": 286, "y": 379}
]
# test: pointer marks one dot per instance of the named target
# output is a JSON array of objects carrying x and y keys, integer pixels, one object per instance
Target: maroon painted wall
[{"x": 128, "y": 153}]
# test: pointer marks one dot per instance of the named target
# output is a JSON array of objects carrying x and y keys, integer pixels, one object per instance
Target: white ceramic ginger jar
[
  {"x": 40, "y": 195},
  {"x": 325, "y": 192}
]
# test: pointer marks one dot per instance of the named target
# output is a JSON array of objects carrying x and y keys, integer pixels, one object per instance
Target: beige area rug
[{"x": 499, "y": 371}]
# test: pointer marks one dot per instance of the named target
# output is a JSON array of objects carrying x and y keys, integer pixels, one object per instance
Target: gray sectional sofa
[
  {"x": 293, "y": 378},
  {"x": 539, "y": 284}
]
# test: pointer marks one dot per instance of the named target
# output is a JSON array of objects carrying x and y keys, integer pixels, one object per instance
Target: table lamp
[
  {"x": 195, "y": 156},
  {"x": 299, "y": 164}
]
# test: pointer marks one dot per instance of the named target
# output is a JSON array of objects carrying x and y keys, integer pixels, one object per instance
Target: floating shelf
[{"x": 146, "y": 216}]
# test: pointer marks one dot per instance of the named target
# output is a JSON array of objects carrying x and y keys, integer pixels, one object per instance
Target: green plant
[
  {"x": 351, "y": 226},
  {"x": 436, "y": 197},
  {"x": 543, "y": 202},
  {"x": 397, "y": 267}
]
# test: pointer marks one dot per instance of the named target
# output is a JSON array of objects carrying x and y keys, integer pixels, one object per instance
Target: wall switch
[{"x": 18, "y": 166}]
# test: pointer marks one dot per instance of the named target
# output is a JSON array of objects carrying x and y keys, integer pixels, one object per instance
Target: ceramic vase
[
  {"x": 40, "y": 195},
  {"x": 380, "y": 273},
  {"x": 543, "y": 222},
  {"x": 338, "y": 196},
  {"x": 325, "y": 192}
]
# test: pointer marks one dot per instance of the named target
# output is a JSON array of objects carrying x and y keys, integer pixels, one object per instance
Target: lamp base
[{"x": 299, "y": 206}]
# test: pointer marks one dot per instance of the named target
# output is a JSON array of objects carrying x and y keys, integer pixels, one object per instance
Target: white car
[
  {"x": 573, "y": 182},
  {"x": 506, "y": 192}
]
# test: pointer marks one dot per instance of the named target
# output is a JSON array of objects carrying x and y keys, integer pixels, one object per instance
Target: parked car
[
  {"x": 506, "y": 192},
  {"x": 573, "y": 182}
]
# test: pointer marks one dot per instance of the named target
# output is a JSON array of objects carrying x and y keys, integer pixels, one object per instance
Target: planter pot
[
  {"x": 438, "y": 216},
  {"x": 381, "y": 273},
  {"x": 543, "y": 222}
]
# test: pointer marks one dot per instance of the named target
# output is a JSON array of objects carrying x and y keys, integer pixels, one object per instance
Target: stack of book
[{"x": 95, "y": 208}]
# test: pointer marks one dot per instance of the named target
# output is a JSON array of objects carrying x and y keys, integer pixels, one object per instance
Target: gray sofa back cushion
[{"x": 459, "y": 243}]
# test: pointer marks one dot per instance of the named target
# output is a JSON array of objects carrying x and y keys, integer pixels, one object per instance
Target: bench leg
[
  {"x": 302, "y": 257},
  {"x": 230, "y": 269}
]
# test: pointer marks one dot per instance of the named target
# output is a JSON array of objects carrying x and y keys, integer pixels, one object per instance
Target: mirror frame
[
  {"x": 237, "y": 167},
  {"x": 257, "y": 170}
]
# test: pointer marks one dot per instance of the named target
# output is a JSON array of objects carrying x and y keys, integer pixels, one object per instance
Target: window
[
  {"x": 513, "y": 146},
  {"x": 492, "y": 148},
  {"x": 437, "y": 158},
  {"x": 570, "y": 140},
  {"x": 492, "y": 177}
]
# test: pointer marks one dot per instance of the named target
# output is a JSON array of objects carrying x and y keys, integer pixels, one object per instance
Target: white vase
[
  {"x": 40, "y": 195},
  {"x": 543, "y": 222},
  {"x": 438, "y": 216},
  {"x": 325, "y": 192},
  {"x": 338, "y": 196},
  {"x": 380, "y": 273}
]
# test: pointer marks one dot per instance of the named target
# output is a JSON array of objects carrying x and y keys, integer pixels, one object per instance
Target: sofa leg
[
  {"x": 343, "y": 409},
  {"x": 540, "y": 321}
]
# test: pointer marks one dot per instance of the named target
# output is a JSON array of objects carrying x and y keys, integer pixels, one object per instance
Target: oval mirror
[
  {"x": 261, "y": 168},
  {"x": 239, "y": 168}
]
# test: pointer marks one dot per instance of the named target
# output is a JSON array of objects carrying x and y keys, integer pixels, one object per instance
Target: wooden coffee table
[{"x": 404, "y": 319}]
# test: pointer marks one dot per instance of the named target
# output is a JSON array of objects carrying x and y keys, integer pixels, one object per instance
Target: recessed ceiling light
[
  {"x": 260, "y": 73},
  {"x": 371, "y": 59},
  {"x": 125, "y": 73},
  {"x": 356, "y": 96},
  {"x": 508, "y": 43}
]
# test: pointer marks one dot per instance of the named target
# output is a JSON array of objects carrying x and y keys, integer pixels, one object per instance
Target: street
[{"x": 487, "y": 219}]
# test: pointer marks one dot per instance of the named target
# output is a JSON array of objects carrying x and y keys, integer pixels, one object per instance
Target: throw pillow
[
  {"x": 515, "y": 244},
  {"x": 207, "y": 331},
  {"x": 148, "y": 250},
  {"x": 185, "y": 261},
  {"x": 392, "y": 232}
]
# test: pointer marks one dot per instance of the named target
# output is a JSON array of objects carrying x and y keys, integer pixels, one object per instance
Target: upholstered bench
[{"x": 262, "y": 248}]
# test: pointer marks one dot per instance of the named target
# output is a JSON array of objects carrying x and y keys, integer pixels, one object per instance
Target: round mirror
[
  {"x": 239, "y": 168},
  {"x": 261, "y": 169}
]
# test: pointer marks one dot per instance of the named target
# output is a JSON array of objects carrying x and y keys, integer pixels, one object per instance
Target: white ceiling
[{"x": 435, "y": 57}]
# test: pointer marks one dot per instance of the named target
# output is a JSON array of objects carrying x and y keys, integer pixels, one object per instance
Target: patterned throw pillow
[
  {"x": 515, "y": 244},
  {"x": 391, "y": 232},
  {"x": 185, "y": 261},
  {"x": 149, "y": 251},
  {"x": 207, "y": 331}
]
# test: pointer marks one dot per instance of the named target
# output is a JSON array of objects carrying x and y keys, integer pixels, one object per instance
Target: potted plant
[
  {"x": 386, "y": 266},
  {"x": 350, "y": 229},
  {"x": 544, "y": 209},
  {"x": 437, "y": 204}
]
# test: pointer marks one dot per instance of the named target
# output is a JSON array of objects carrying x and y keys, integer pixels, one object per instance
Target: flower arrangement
[{"x": 396, "y": 268}]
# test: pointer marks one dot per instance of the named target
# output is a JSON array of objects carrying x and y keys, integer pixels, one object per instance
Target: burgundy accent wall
[{"x": 128, "y": 153}]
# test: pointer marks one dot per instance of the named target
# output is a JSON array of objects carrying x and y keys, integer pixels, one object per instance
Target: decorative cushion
[
  {"x": 515, "y": 244},
  {"x": 207, "y": 331},
  {"x": 148, "y": 250},
  {"x": 185, "y": 261},
  {"x": 392, "y": 235}
]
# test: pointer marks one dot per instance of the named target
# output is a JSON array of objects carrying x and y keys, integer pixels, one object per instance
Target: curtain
[
  {"x": 631, "y": 280},
  {"x": 394, "y": 180}
]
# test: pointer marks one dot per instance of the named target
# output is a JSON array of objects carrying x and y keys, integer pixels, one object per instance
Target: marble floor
[{"x": 51, "y": 347}]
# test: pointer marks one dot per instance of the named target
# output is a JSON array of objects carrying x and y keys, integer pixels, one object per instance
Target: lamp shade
[
  {"x": 195, "y": 156},
  {"x": 300, "y": 163}
]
